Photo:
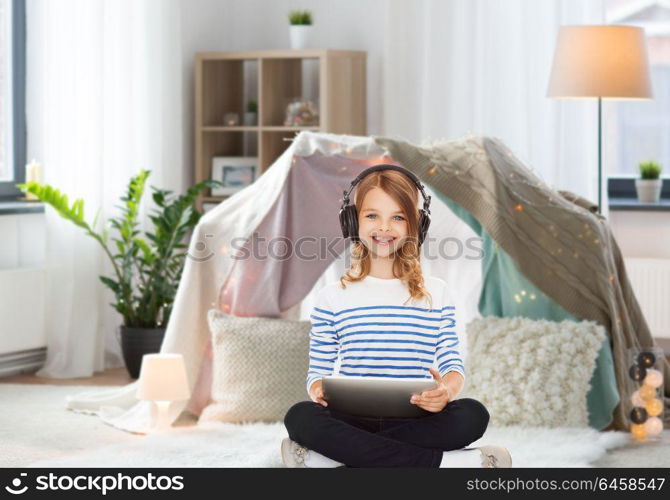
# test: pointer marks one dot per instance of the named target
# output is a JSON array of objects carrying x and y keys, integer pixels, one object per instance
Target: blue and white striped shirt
[{"x": 376, "y": 335}]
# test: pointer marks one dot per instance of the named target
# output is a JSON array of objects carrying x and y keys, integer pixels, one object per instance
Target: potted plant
[
  {"x": 146, "y": 271},
  {"x": 250, "y": 116},
  {"x": 301, "y": 28},
  {"x": 649, "y": 185}
]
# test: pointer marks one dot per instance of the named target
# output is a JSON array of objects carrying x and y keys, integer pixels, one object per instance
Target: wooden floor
[{"x": 113, "y": 376}]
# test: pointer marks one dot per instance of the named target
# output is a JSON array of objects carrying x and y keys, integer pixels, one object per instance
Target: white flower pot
[
  {"x": 301, "y": 36},
  {"x": 250, "y": 118},
  {"x": 648, "y": 190}
]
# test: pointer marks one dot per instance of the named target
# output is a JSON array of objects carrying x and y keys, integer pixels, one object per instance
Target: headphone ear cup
[
  {"x": 343, "y": 221},
  {"x": 424, "y": 223},
  {"x": 352, "y": 216},
  {"x": 349, "y": 222}
]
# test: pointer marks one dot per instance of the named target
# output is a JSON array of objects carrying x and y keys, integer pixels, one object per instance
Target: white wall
[
  {"x": 204, "y": 27},
  {"x": 646, "y": 235},
  {"x": 22, "y": 282},
  {"x": 642, "y": 234}
]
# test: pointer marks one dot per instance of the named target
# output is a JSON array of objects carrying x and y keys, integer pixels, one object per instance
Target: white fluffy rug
[
  {"x": 257, "y": 445},
  {"x": 37, "y": 431}
]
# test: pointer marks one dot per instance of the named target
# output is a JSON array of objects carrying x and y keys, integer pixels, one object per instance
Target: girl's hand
[
  {"x": 316, "y": 393},
  {"x": 436, "y": 399}
]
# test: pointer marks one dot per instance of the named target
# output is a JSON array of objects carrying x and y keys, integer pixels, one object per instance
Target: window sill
[
  {"x": 628, "y": 203},
  {"x": 13, "y": 206},
  {"x": 623, "y": 196}
]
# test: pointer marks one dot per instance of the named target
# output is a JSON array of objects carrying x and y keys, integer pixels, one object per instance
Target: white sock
[
  {"x": 316, "y": 460},
  {"x": 461, "y": 458}
]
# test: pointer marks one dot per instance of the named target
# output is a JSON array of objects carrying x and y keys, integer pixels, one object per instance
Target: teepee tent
[{"x": 482, "y": 197}]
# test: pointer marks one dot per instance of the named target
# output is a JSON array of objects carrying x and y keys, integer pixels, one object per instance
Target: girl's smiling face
[{"x": 382, "y": 225}]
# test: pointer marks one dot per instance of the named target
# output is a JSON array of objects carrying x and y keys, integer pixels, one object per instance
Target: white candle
[
  {"x": 34, "y": 171},
  {"x": 33, "y": 174}
]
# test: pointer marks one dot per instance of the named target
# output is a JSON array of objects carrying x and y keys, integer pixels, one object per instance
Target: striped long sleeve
[
  {"x": 324, "y": 343},
  {"x": 372, "y": 328},
  {"x": 447, "y": 352}
]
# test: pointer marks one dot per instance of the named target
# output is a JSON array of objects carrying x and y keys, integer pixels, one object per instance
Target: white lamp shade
[
  {"x": 600, "y": 61},
  {"x": 163, "y": 378}
]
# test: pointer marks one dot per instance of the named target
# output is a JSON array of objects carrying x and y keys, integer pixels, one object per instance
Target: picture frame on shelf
[{"x": 234, "y": 172}]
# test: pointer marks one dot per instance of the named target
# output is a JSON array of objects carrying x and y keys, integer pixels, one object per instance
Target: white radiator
[{"x": 650, "y": 279}]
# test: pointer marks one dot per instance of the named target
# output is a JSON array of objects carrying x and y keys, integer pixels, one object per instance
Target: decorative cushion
[
  {"x": 531, "y": 372},
  {"x": 259, "y": 367}
]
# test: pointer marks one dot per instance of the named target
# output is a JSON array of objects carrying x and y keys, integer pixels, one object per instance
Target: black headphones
[{"x": 349, "y": 216}]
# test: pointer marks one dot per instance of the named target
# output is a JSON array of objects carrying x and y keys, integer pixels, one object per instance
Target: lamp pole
[{"x": 600, "y": 157}]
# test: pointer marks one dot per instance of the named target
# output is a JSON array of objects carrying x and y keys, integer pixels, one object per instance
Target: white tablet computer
[{"x": 375, "y": 396}]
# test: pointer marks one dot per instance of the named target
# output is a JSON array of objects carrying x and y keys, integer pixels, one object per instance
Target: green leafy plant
[
  {"x": 252, "y": 106},
  {"x": 146, "y": 271},
  {"x": 649, "y": 170},
  {"x": 300, "y": 17}
]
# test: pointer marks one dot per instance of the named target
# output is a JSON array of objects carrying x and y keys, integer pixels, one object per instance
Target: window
[
  {"x": 12, "y": 96},
  {"x": 634, "y": 131}
]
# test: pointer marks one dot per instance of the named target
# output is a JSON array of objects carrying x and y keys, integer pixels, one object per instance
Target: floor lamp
[{"x": 607, "y": 62}]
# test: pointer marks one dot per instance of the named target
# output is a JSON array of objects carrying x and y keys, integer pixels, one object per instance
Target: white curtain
[
  {"x": 461, "y": 67},
  {"x": 104, "y": 100}
]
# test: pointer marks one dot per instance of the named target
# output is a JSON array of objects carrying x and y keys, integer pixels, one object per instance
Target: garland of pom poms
[{"x": 646, "y": 415}]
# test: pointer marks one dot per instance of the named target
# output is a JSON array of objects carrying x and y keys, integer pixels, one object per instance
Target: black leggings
[{"x": 386, "y": 442}]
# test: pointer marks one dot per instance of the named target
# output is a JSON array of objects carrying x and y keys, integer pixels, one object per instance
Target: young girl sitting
[{"x": 384, "y": 319}]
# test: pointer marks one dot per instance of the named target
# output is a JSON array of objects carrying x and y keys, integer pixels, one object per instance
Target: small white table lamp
[
  {"x": 603, "y": 61},
  {"x": 162, "y": 380}
]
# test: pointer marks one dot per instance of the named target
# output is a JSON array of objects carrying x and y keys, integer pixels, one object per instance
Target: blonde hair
[{"x": 406, "y": 263}]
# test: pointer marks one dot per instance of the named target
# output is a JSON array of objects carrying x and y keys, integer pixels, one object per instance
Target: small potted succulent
[
  {"x": 251, "y": 114},
  {"x": 649, "y": 185},
  {"x": 301, "y": 29}
]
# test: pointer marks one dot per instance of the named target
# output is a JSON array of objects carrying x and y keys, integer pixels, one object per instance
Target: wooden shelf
[
  {"x": 267, "y": 128},
  {"x": 228, "y": 128},
  {"x": 279, "y": 128},
  {"x": 335, "y": 80},
  {"x": 280, "y": 54}
]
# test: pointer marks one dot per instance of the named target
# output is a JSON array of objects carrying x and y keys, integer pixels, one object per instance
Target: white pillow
[
  {"x": 532, "y": 372},
  {"x": 259, "y": 367}
]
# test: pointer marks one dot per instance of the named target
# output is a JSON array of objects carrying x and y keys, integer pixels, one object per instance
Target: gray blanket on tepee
[{"x": 526, "y": 218}]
